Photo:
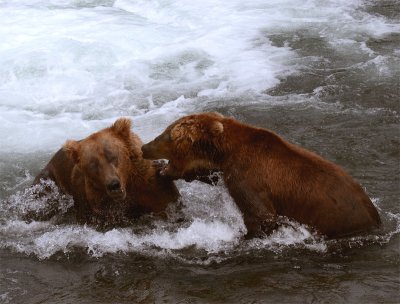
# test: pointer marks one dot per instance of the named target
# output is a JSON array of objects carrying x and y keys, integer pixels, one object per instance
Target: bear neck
[
  {"x": 240, "y": 142},
  {"x": 138, "y": 173}
]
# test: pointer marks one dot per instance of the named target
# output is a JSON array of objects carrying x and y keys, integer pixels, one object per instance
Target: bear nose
[
  {"x": 114, "y": 185},
  {"x": 145, "y": 151}
]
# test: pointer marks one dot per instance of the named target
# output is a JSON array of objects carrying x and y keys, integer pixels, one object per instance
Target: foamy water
[
  {"x": 208, "y": 220},
  {"x": 69, "y": 68}
]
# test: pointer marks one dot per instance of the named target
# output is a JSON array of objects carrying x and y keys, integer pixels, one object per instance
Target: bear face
[
  {"x": 109, "y": 180},
  {"x": 191, "y": 144},
  {"x": 103, "y": 159}
]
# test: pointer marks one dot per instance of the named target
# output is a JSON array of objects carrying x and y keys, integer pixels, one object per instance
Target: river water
[{"x": 323, "y": 74}]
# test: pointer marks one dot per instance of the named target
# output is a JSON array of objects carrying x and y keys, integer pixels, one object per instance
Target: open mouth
[{"x": 117, "y": 195}]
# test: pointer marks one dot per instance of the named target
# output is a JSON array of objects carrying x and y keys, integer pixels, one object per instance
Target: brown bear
[
  {"x": 106, "y": 171},
  {"x": 267, "y": 176}
]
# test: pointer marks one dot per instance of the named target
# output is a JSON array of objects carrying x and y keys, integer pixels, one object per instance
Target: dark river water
[{"x": 323, "y": 74}]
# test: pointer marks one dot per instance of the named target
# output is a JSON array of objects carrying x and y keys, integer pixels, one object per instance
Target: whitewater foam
[
  {"x": 205, "y": 221},
  {"x": 65, "y": 72}
]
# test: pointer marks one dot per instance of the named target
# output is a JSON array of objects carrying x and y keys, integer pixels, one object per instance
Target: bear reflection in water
[{"x": 267, "y": 176}]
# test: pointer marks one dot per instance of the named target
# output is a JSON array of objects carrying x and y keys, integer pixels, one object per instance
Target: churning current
[{"x": 322, "y": 74}]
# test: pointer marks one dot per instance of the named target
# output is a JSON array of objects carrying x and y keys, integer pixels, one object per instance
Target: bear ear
[
  {"x": 71, "y": 148},
  {"x": 216, "y": 128},
  {"x": 122, "y": 127}
]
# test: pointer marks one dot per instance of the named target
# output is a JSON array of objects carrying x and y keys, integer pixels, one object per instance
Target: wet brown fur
[
  {"x": 88, "y": 168},
  {"x": 266, "y": 175}
]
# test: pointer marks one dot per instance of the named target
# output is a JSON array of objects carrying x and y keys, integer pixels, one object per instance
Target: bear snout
[
  {"x": 115, "y": 190},
  {"x": 146, "y": 150},
  {"x": 114, "y": 185}
]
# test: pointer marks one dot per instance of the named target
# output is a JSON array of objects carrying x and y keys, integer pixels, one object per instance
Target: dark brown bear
[
  {"x": 107, "y": 169},
  {"x": 266, "y": 175}
]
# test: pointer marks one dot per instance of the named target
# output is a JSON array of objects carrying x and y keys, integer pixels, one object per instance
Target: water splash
[
  {"x": 204, "y": 227},
  {"x": 42, "y": 200}
]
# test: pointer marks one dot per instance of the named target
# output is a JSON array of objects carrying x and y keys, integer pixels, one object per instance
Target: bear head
[
  {"x": 192, "y": 143},
  {"x": 104, "y": 158}
]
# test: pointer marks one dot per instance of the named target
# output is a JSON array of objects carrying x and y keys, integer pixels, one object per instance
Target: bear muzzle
[
  {"x": 115, "y": 190},
  {"x": 146, "y": 150},
  {"x": 153, "y": 150}
]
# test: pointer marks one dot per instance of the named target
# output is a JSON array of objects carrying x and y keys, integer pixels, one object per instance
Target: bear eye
[
  {"x": 112, "y": 159},
  {"x": 166, "y": 136},
  {"x": 93, "y": 166},
  {"x": 111, "y": 156}
]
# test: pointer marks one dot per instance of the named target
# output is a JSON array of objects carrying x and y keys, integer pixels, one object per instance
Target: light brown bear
[
  {"x": 266, "y": 175},
  {"x": 106, "y": 171}
]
